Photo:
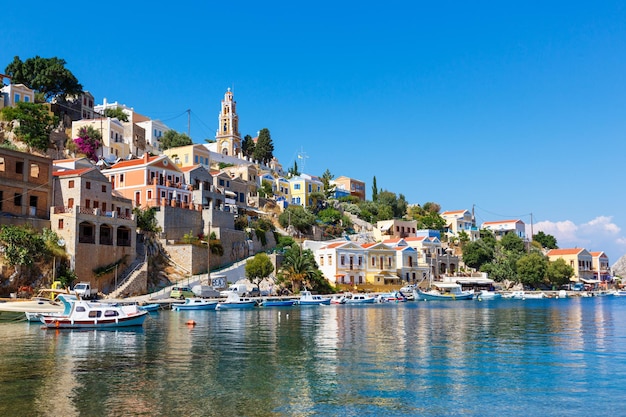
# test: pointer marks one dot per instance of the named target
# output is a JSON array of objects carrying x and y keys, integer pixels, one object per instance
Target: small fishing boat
[
  {"x": 444, "y": 291},
  {"x": 485, "y": 295},
  {"x": 150, "y": 307},
  {"x": 338, "y": 299},
  {"x": 195, "y": 303},
  {"x": 361, "y": 299},
  {"x": 233, "y": 301},
  {"x": 392, "y": 297},
  {"x": 308, "y": 299},
  {"x": 277, "y": 303},
  {"x": 90, "y": 315}
]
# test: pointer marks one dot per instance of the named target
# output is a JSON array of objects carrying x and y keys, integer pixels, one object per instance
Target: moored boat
[
  {"x": 489, "y": 295},
  {"x": 338, "y": 299},
  {"x": 444, "y": 291},
  {"x": 195, "y": 303},
  {"x": 361, "y": 299},
  {"x": 308, "y": 299},
  {"x": 233, "y": 301},
  {"x": 90, "y": 315},
  {"x": 277, "y": 303}
]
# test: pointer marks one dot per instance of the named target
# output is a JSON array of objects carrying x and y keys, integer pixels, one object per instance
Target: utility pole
[{"x": 189, "y": 122}]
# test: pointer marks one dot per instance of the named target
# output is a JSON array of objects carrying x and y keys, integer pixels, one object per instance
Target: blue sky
[{"x": 511, "y": 107}]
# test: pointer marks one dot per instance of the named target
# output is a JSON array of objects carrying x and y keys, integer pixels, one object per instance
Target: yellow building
[
  {"x": 579, "y": 259},
  {"x": 190, "y": 155},
  {"x": 301, "y": 188}
]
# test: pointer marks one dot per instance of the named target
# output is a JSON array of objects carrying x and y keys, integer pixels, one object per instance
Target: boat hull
[
  {"x": 315, "y": 302},
  {"x": 183, "y": 307},
  {"x": 284, "y": 303},
  {"x": 101, "y": 323},
  {"x": 444, "y": 297},
  {"x": 236, "y": 306}
]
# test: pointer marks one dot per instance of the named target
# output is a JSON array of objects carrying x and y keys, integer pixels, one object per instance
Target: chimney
[{"x": 145, "y": 157}]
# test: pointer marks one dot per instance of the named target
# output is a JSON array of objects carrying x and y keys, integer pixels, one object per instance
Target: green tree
[
  {"x": 298, "y": 217},
  {"x": 477, "y": 253},
  {"x": 22, "y": 247},
  {"x": 513, "y": 243},
  {"x": 173, "y": 139},
  {"x": 266, "y": 189},
  {"x": 146, "y": 219},
  {"x": 374, "y": 189},
  {"x": 264, "y": 149},
  {"x": 546, "y": 241},
  {"x": 116, "y": 113},
  {"x": 328, "y": 188},
  {"x": 532, "y": 269},
  {"x": 559, "y": 272},
  {"x": 34, "y": 124},
  {"x": 299, "y": 268},
  {"x": 330, "y": 216},
  {"x": 258, "y": 268},
  {"x": 293, "y": 171},
  {"x": 47, "y": 76},
  {"x": 247, "y": 146}
]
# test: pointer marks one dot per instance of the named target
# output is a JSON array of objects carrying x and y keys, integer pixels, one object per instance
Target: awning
[
  {"x": 590, "y": 281},
  {"x": 384, "y": 228}
]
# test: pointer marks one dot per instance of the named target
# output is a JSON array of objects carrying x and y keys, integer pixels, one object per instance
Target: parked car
[
  {"x": 181, "y": 292},
  {"x": 579, "y": 286}
]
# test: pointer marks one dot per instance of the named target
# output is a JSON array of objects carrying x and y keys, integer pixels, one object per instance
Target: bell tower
[{"x": 227, "y": 136}]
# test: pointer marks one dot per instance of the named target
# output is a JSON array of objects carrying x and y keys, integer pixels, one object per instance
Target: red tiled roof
[
  {"x": 598, "y": 254},
  {"x": 453, "y": 212},
  {"x": 570, "y": 251},
  {"x": 71, "y": 172},
  {"x": 503, "y": 221},
  {"x": 334, "y": 245},
  {"x": 415, "y": 238},
  {"x": 134, "y": 162}
]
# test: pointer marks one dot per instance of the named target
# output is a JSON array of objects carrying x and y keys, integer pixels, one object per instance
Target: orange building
[{"x": 151, "y": 181}]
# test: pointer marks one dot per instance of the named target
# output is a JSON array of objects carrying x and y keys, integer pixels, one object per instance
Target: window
[
  {"x": 88, "y": 185},
  {"x": 343, "y": 260},
  {"x": 26, "y": 99},
  {"x": 1, "y": 199},
  {"x": 296, "y": 186},
  {"x": 104, "y": 206},
  {"x": 33, "y": 201},
  {"x": 17, "y": 199},
  {"x": 373, "y": 261},
  {"x": 104, "y": 188},
  {"x": 330, "y": 260},
  {"x": 60, "y": 224},
  {"x": 1, "y": 164},
  {"x": 96, "y": 204},
  {"x": 121, "y": 177},
  {"x": 70, "y": 202},
  {"x": 88, "y": 203},
  {"x": 16, "y": 98},
  {"x": 70, "y": 184},
  {"x": 322, "y": 260},
  {"x": 34, "y": 170},
  {"x": 195, "y": 159},
  {"x": 19, "y": 167},
  {"x": 310, "y": 188},
  {"x": 149, "y": 194}
]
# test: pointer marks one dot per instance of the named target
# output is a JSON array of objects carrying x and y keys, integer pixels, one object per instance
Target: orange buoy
[{"x": 191, "y": 323}]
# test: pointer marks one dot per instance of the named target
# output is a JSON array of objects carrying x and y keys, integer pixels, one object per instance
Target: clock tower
[{"x": 227, "y": 136}]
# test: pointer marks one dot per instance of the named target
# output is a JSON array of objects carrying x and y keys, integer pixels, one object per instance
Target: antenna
[{"x": 302, "y": 156}]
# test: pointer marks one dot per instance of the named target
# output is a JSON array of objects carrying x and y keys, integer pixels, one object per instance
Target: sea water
[{"x": 551, "y": 357}]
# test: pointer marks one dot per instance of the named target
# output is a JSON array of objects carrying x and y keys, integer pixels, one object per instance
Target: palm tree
[{"x": 299, "y": 267}]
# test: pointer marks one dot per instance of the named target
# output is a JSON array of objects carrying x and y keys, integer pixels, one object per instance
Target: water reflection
[{"x": 397, "y": 359}]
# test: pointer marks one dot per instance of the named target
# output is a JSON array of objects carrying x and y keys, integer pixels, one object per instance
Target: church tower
[{"x": 227, "y": 136}]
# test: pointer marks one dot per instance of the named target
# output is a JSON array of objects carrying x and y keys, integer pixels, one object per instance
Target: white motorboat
[
  {"x": 444, "y": 291},
  {"x": 308, "y": 299},
  {"x": 91, "y": 315},
  {"x": 361, "y": 299},
  {"x": 234, "y": 301}
]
